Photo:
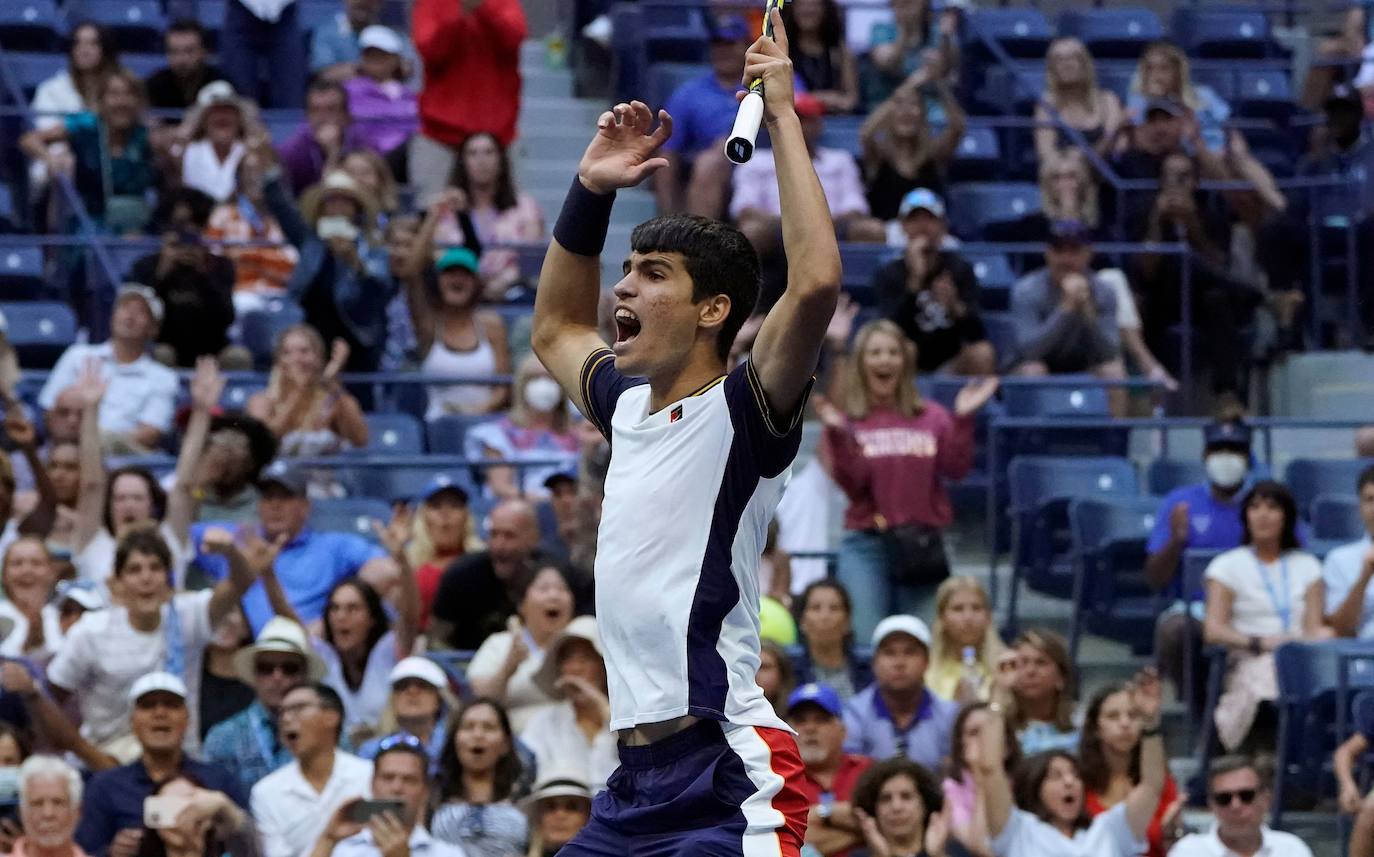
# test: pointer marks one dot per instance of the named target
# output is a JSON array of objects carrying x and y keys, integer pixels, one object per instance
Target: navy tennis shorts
[{"x": 712, "y": 790}]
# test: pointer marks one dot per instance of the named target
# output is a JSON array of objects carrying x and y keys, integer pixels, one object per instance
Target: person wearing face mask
[
  {"x": 539, "y": 427},
  {"x": 1204, "y": 516}
]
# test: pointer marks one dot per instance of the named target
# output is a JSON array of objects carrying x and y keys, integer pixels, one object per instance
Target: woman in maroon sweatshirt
[{"x": 891, "y": 453}]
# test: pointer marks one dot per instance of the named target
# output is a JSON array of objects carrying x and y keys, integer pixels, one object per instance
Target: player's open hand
[
  {"x": 624, "y": 151},
  {"x": 767, "y": 60}
]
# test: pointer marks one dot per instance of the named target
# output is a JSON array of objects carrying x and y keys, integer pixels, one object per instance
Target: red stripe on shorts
[{"x": 791, "y": 799}]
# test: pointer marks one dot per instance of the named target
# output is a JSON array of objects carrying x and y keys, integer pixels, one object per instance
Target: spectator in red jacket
[
  {"x": 471, "y": 55},
  {"x": 891, "y": 453}
]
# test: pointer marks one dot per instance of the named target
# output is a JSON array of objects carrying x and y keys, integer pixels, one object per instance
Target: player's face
[
  {"x": 899, "y": 664},
  {"x": 656, "y": 320}
]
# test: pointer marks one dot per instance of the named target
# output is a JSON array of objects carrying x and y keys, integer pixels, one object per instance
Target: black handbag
[{"x": 917, "y": 555}]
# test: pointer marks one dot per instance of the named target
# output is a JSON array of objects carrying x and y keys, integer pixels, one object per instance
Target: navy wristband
[{"x": 582, "y": 224}]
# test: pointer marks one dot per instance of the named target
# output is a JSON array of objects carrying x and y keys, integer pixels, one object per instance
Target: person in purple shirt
[
  {"x": 697, "y": 179},
  {"x": 897, "y": 715},
  {"x": 327, "y": 135},
  {"x": 385, "y": 110},
  {"x": 1204, "y": 516}
]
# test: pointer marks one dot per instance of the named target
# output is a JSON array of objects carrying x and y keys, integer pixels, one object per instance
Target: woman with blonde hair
[
  {"x": 445, "y": 530},
  {"x": 1073, "y": 98},
  {"x": 1042, "y": 709},
  {"x": 304, "y": 404},
  {"x": 1068, "y": 189},
  {"x": 901, "y": 151},
  {"x": 538, "y": 427},
  {"x": 965, "y": 646},
  {"x": 891, "y": 453}
]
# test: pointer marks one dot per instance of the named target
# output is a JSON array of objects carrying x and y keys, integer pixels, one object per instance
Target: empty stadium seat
[
  {"x": 995, "y": 279},
  {"x": 1335, "y": 520},
  {"x": 143, "y": 64},
  {"x": 445, "y": 434},
  {"x": 35, "y": 24},
  {"x": 975, "y": 207},
  {"x": 237, "y": 394},
  {"x": 349, "y": 515},
  {"x": 1163, "y": 475},
  {"x": 39, "y": 331},
  {"x": 1264, "y": 94},
  {"x": 1309, "y": 478},
  {"x": 666, "y": 77},
  {"x": 30, "y": 69},
  {"x": 137, "y": 25},
  {"x": 1020, "y": 31},
  {"x": 394, "y": 434},
  {"x": 1055, "y": 400},
  {"x": 1224, "y": 32},
  {"x": 1112, "y": 33},
  {"x": 859, "y": 262},
  {"x": 210, "y": 14},
  {"x": 673, "y": 33},
  {"x": 842, "y": 132},
  {"x": 406, "y": 483},
  {"x": 978, "y": 157},
  {"x": 21, "y": 273},
  {"x": 1111, "y": 598},
  {"x": 9, "y": 216},
  {"x": 258, "y": 330}
]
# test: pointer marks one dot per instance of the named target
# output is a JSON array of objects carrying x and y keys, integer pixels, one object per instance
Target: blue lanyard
[{"x": 1284, "y": 606}]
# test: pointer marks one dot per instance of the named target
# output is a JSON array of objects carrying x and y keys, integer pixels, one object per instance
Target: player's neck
[{"x": 702, "y": 368}]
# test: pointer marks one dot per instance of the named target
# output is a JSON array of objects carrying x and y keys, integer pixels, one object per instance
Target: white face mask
[
  {"x": 328, "y": 228},
  {"x": 542, "y": 394},
  {"x": 1226, "y": 470}
]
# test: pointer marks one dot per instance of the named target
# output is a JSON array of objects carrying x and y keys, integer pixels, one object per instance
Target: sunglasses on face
[
  {"x": 290, "y": 669},
  {"x": 1246, "y": 797}
]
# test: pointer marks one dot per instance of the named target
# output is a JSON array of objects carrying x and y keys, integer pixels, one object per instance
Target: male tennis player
[{"x": 699, "y": 458}]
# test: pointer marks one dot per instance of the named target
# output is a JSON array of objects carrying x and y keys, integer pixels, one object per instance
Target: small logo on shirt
[{"x": 675, "y": 414}]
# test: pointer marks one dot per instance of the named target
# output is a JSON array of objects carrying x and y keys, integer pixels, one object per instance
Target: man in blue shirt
[
  {"x": 897, "y": 715},
  {"x": 697, "y": 179},
  {"x": 1348, "y": 570},
  {"x": 1204, "y": 516},
  {"x": 309, "y": 563},
  {"x": 112, "y": 810}
]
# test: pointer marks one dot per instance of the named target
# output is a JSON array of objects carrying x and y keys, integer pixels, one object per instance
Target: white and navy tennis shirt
[{"x": 690, "y": 492}]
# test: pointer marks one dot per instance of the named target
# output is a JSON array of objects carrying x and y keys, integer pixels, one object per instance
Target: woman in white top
[
  {"x": 1047, "y": 818},
  {"x": 1259, "y": 596},
  {"x": 109, "y": 506},
  {"x": 91, "y": 57},
  {"x": 538, "y": 427},
  {"x": 27, "y": 578},
  {"x": 571, "y": 735},
  {"x": 360, "y": 646},
  {"x": 505, "y": 666},
  {"x": 212, "y": 140},
  {"x": 456, "y": 339}
]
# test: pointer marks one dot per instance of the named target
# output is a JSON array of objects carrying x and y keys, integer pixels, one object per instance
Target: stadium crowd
[{"x": 192, "y": 666}]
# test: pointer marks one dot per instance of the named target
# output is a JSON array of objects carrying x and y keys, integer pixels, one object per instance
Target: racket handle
[{"x": 739, "y": 147}]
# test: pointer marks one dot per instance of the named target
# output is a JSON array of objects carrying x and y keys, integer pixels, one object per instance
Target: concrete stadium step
[
  {"x": 543, "y": 82},
  {"x": 551, "y": 110}
]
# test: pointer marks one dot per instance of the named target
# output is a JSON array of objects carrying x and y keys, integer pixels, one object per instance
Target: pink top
[
  {"x": 499, "y": 267},
  {"x": 961, "y": 797}
]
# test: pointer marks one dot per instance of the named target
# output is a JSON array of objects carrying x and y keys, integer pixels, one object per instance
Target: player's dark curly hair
[{"x": 719, "y": 259}]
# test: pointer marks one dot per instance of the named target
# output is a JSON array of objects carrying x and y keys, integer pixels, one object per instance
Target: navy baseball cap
[
  {"x": 285, "y": 475},
  {"x": 442, "y": 482},
  {"x": 816, "y": 694},
  {"x": 729, "y": 28},
  {"x": 1232, "y": 433}
]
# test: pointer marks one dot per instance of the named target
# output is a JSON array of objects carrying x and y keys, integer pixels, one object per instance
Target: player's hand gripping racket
[{"x": 739, "y": 146}]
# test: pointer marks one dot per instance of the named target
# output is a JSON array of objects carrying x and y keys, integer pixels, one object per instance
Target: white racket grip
[{"x": 739, "y": 147}]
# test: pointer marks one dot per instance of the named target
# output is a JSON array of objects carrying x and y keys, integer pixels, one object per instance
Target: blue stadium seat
[
  {"x": 237, "y": 394},
  {"x": 406, "y": 483},
  {"x": 1362, "y": 720},
  {"x": 975, "y": 207},
  {"x": 258, "y": 330},
  {"x": 454, "y": 661},
  {"x": 35, "y": 24},
  {"x": 995, "y": 279},
  {"x": 1054, "y": 400},
  {"x": 349, "y": 515},
  {"x": 1264, "y": 94},
  {"x": 1011, "y": 90},
  {"x": 39, "y": 331},
  {"x": 979, "y": 156},
  {"x": 1021, "y": 31},
  {"x": 859, "y": 262},
  {"x": 673, "y": 33},
  {"x": 1219, "y": 76},
  {"x": 842, "y": 132},
  {"x": 393, "y": 434},
  {"x": 446, "y": 433},
  {"x": 1221, "y": 32},
  {"x": 9, "y": 216},
  {"x": 1040, "y": 489},
  {"x": 1111, "y": 597},
  {"x": 1163, "y": 475},
  {"x": 1309, "y": 478},
  {"x": 21, "y": 273},
  {"x": 30, "y": 69},
  {"x": 666, "y": 77},
  {"x": 143, "y": 64},
  {"x": 1002, "y": 334},
  {"x": 210, "y": 14},
  {"x": 137, "y": 25},
  {"x": 1120, "y": 33},
  {"x": 1335, "y": 520},
  {"x": 312, "y": 13}
]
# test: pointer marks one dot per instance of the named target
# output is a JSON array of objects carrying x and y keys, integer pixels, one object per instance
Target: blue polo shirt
[
  {"x": 308, "y": 567},
  {"x": 703, "y": 112},
  {"x": 871, "y": 732},
  {"x": 114, "y": 799}
]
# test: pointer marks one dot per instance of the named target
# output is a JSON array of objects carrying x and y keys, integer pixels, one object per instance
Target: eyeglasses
[
  {"x": 1246, "y": 796},
  {"x": 298, "y": 707},
  {"x": 290, "y": 669}
]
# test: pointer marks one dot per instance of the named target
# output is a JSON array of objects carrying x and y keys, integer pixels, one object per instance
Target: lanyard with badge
[{"x": 1282, "y": 606}]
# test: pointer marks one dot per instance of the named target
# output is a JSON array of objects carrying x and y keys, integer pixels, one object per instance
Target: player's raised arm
[
  {"x": 789, "y": 342},
  {"x": 622, "y": 154}
]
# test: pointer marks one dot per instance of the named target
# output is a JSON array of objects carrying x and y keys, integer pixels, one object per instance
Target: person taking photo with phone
[{"x": 185, "y": 819}]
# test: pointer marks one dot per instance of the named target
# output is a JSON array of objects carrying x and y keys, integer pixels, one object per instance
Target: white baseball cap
[
  {"x": 149, "y": 297},
  {"x": 154, "y": 682},
  {"x": 901, "y": 624},
  {"x": 422, "y": 668},
  {"x": 381, "y": 38}
]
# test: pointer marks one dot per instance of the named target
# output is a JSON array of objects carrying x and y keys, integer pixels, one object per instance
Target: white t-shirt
[
  {"x": 362, "y": 707},
  {"x": 559, "y": 744},
  {"x": 96, "y": 561},
  {"x": 291, "y": 815},
  {"x": 1259, "y": 590},
  {"x": 1109, "y": 835},
  {"x": 143, "y": 392},
  {"x": 103, "y": 655},
  {"x": 1274, "y": 843},
  {"x": 523, "y": 696}
]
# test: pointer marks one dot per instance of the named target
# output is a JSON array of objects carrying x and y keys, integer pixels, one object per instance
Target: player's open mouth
[{"x": 626, "y": 325}]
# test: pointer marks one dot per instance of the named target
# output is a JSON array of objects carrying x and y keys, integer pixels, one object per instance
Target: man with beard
[{"x": 815, "y": 712}]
